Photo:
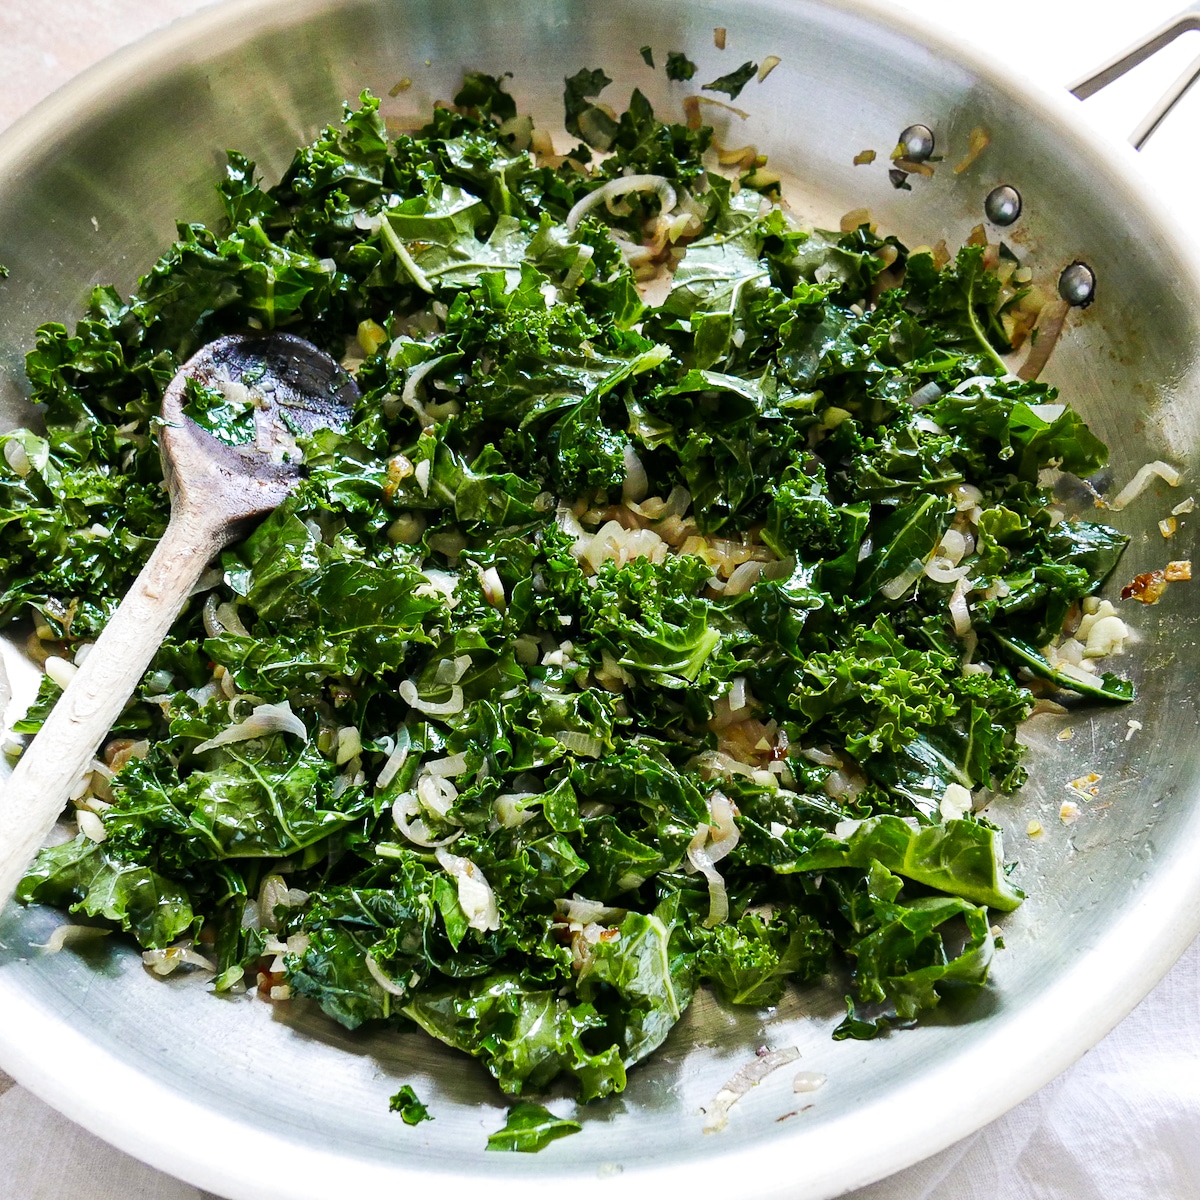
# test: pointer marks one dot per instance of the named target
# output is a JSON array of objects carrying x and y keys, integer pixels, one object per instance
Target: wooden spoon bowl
[{"x": 218, "y": 490}]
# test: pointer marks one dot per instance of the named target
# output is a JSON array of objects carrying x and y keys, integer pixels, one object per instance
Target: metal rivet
[
  {"x": 1003, "y": 205},
  {"x": 1077, "y": 285},
  {"x": 917, "y": 142}
]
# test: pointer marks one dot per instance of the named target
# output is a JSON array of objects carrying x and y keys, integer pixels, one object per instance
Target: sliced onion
[
  {"x": 475, "y": 895},
  {"x": 376, "y": 973},
  {"x": 61, "y": 670},
  {"x": 349, "y": 744},
  {"x": 718, "y": 898},
  {"x": 436, "y": 795},
  {"x": 584, "y": 745},
  {"x": 752, "y": 1074},
  {"x": 615, "y": 188},
  {"x": 966, "y": 497},
  {"x": 451, "y": 670},
  {"x": 820, "y": 757},
  {"x": 723, "y": 831},
  {"x": 955, "y": 803},
  {"x": 448, "y": 768},
  {"x": 954, "y": 545},
  {"x": 1137, "y": 484},
  {"x": 942, "y": 570},
  {"x": 274, "y": 893},
  {"x": 678, "y": 502},
  {"x": 577, "y": 268},
  {"x": 925, "y": 395},
  {"x": 960, "y": 614},
  {"x": 841, "y": 784},
  {"x": 493, "y": 588},
  {"x": 265, "y": 719},
  {"x": 510, "y": 810},
  {"x": 71, "y": 935},
  {"x": 636, "y": 485},
  {"x": 439, "y": 583},
  {"x": 1051, "y": 321},
  {"x": 895, "y": 588},
  {"x": 396, "y": 759},
  {"x": 411, "y": 697},
  {"x": 579, "y": 910},
  {"x": 17, "y": 457},
  {"x": 163, "y": 962},
  {"x": 744, "y": 577},
  {"x": 1048, "y": 412},
  {"x": 208, "y": 614},
  {"x": 717, "y": 762},
  {"x": 416, "y": 831},
  {"x": 568, "y": 522},
  {"x": 409, "y": 395},
  {"x": 421, "y": 475},
  {"x": 91, "y": 825},
  {"x": 227, "y": 614}
]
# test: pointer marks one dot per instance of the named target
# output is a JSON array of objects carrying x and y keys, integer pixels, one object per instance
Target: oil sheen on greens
[{"x": 511, "y": 373}]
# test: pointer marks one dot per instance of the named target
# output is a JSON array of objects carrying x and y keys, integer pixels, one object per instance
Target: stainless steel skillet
[{"x": 171, "y": 1074}]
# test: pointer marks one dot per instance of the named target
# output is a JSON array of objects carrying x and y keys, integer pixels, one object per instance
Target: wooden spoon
[{"x": 217, "y": 492}]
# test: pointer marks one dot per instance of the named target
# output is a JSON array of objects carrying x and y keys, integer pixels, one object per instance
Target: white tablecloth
[{"x": 1124, "y": 1121}]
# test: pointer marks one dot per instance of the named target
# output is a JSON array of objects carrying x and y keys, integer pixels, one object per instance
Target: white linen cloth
[{"x": 1122, "y": 1122}]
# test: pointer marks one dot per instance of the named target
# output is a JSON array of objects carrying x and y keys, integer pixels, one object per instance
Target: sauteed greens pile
[{"x": 616, "y": 648}]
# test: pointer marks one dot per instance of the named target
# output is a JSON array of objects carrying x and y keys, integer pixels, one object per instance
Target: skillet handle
[{"x": 1132, "y": 56}]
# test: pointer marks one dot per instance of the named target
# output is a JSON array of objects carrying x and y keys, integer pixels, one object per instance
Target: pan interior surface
[{"x": 91, "y": 184}]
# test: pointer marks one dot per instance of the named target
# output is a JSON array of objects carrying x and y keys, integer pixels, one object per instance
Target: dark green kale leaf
[
  {"x": 1016, "y": 427},
  {"x": 529, "y": 1128},
  {"x": 526, "y": 1035},
  {"x": 583, "y": 118},
  {"x": 484, "y": 96},
  {"x": 654, "y": 622},
  {"x": 228, "y": 420},
  {"x": 960, "y": 858},
  {"x": 733, "y": 82},
  {"x": 88, "y": 877},
  {"x": 646, "y": 145},
  {"x": 679, "y": 68},
  {"x": 411, "y": 1110},
  {"x": 643, "y": 978},
  {"x": 900, "y": 955},
  {"x": 1107, "y": 688},
  {"x": 751, "y": 962}
]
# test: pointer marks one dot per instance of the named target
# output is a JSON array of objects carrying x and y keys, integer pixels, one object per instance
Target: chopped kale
[
  {"x": 680, "y": 68},
  {"x": 587, "y": 587},
  {"x": 411, "y": 1110},
  {"x": 530, "y": 1127},
  {"x": 733, "y": 82}
]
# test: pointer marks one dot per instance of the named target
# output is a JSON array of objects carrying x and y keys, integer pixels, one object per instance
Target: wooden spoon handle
[{"x": 50, "y": 767}]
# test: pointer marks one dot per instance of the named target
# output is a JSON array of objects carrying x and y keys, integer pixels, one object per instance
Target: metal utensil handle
[
  {"x": 38, "y": 788},
  {"x": 1124, "y": 61}
]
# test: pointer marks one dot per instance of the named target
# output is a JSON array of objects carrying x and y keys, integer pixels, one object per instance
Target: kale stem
[{"x": 977, "y": 329}]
